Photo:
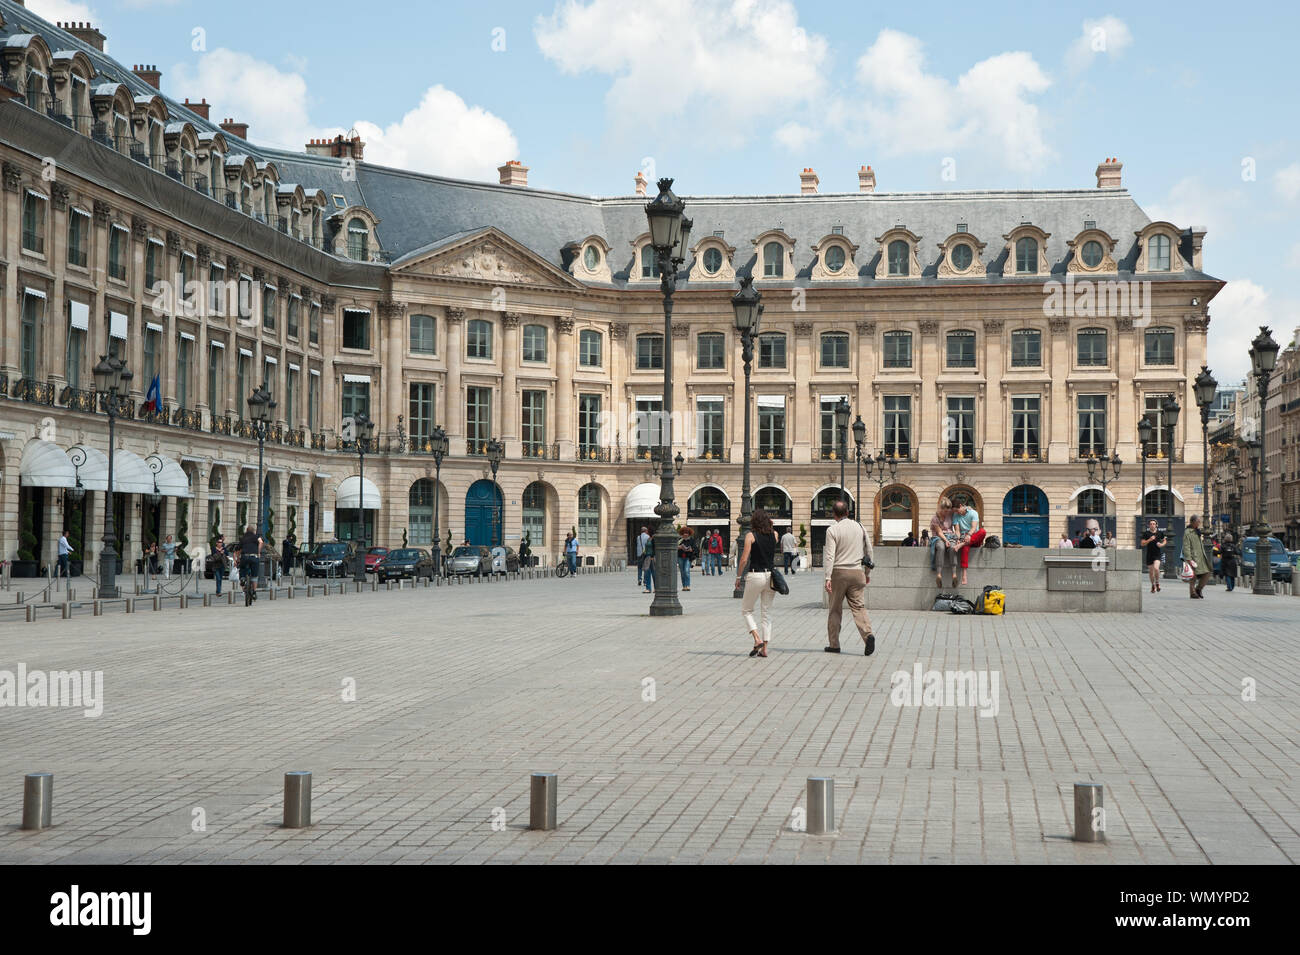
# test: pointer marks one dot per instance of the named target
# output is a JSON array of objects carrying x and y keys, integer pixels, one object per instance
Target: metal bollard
[
  {"x": 38, "y": 800},
  {"x": 270, "y": 592},
  {"x": 207, "y": 600},
  {"x": 230, "y": 598},
  {"x": 290, "y": 590},
  {"x": 542, "y": 801},
  {"x": 185, "y": 602},
  {"x": 297, "y": 800},
  {"x": 97, "y": 608},
  {"x": 67, "y": 611},
  {"x": 31, "y": 613},
  {"x": 1089, "y": 814},
  {"x": 821, "y": 806},
  {"x": 157, "y": 603}
]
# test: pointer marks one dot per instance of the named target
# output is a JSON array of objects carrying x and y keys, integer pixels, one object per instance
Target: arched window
[
  {"x": 649, "y": 262},
  {"x": 899, "y": 253},
  {"x": 1158, "y": 503},
  {"x": 774, "y": 501},
  {"x": 358, "y": 239},
  {"x": 34, "y": 88},
  {"x": 589, "y": 342},
  {"x": 773, "y": 261},
  {"x": 534, "y": 523},
  {"x": 589, "y": 515},
  {"x": 1158, "y": 253},
  {"x": 1092, "y": 502},
  {"x": 1026, "y": 256},
  {"x": 478, "y": 339},
  {"x": 421, "y": 502},
  {"x": 422, "y": 335},
  {"x": 709, "y": 502}
]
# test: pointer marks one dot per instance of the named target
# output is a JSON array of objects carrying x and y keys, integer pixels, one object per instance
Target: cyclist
[{"x": 250, "y": 551}]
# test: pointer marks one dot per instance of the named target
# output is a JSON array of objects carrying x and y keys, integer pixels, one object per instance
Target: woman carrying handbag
[{"x": 755, "y": 567}]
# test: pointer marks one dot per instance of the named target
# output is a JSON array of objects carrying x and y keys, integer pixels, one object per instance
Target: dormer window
[
  {"x": 1158, "y": 249},
  {"x": 712, "y": 260},
  {"x": 1026, "y": 251},
  {"x": 1091, "y": 253},
  {"x": 962, "y": 256},
  {"x": 773, "y": 267},
  {"x": 1026, "y": 256},
  {"x": 775, "y": 255},
  {"x": 1158, "y": 253},
  {"x": 591, "y": 258},
  {"x": 649, "y": 262},
  {"x": 897, "y": 258},
  {"x": 833, "y": 256},
  {"x": 358, "y": 239},
  {"x": 898, "y": 255}
]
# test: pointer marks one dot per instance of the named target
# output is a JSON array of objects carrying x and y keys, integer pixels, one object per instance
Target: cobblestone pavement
[{"x": 462, "y": 692}]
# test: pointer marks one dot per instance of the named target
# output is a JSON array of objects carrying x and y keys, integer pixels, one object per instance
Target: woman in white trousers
[{"x": 755, "y": 566}]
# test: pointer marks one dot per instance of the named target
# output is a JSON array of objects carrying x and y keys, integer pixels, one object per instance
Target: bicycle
[{"x": 562, "y": 567}]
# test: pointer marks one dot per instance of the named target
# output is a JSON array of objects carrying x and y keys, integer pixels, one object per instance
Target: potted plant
[
  {"x": 215, "y": 530},
  {"x": 26, "y": 564},
  {"x": 804, "y": 562},
  {"x": 183, "y": 533},
  {"x": 76, "y": 525}
]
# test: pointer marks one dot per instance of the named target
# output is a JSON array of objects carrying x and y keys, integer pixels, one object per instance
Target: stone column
[
  {"x": 993, "y": 407},
  {"x": 137, "y": 310},
  {"x": 510, "y": 398},
  {"x": 927, "y": 417},
  {"x": 564, "y": 387},
  {"x": 329, "y": 393},
  {"x": 455, "y": 400},
  {"x": 801, "y": 416},
  {"x": 618, "y": 407},
  {"x": 10, "y": 238},
  {"x": 393, "y": 323},
  {"x": 1060, "y": 426},
  {"x": 56, "y": 320},
  {"x": 683, "y": 431}
]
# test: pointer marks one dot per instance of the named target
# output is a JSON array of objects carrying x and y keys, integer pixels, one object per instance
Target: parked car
[
  {"x": 1281, "y": 562},
  {"x": 411, "y": 562},
  {"x": 504, "y": 560},
  {"x": 468, "y": 559},
  {"x": 373, "y": 556},
  {"x": 329, "y": 559}
]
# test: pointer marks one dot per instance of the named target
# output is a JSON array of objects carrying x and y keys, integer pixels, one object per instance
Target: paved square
[{"x": 462, "y": 692}]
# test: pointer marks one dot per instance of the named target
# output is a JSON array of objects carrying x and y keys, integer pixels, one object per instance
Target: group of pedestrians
[
  {"x": 709, "y": 550},
  {"x": 954, "y": 530}
]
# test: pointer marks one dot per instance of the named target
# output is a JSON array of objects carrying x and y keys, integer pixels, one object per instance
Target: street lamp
[
  {"x": 438, "y": 445},
  {"x": 496, "y": 450},
  {"x": 1170, "y": 409},
  {"x": 1098, "y": 474},
  {"x": 1146, "y": 431},
  {"x": 747, "y": 307},
  {"x": 1205, "y": 388},
  {"x": 112, "y": 381},
  {"x": 886, "y": 472},
  {"x": 842, "y": 412},
  {"x": 859, "y": 439},
  {"x": 1263, "y": 359},
  {"x": 260, "y": 405},
  {"x": 670, "y": 238},
  {"x": 362, "y": 429}
]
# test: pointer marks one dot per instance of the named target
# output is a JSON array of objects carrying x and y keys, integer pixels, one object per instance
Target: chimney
[
  {"x": 1108, "y": 174},
  {"x": 149, "y": 74},
  {"x": 640, "y": 183},
  {"x": 513, "y": 173},
  {"x": 808, "y": 182},
  {"x": 234, "y": 128},
  {"x": 337, "y": 148},
  {"x": 201, "y": 107},
  {"x": 866, "y": 180},
  {"x": 86, "y": 33}
]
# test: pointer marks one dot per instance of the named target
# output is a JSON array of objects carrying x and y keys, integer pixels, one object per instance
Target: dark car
[
  {"x": 410, "y": 562},
  {"x": 329, "y": 559},
  {"x": 1278, "y": 558},
  {"x": 468, "y": 559},
  {"x": 373, "y": 556}
]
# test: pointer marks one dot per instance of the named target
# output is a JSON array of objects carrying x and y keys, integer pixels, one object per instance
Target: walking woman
[
  {"x": 755, "y": 566},
  {"x": 686, "y": 552},
  {"x": 1228, "y": 555}
]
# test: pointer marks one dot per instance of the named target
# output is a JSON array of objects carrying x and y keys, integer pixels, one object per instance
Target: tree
[
  {"x": 270, "y": 526},
  {"x": 182, "y": 529},
  {"x": 403, "y": 536},
  {"x": 293, "y": 522},
  {"x": 27, "y": 542},
  {"x": 241, "y": 514},
  {"x": 215, "y": 530},
  {"x": 803, "y": 536}
]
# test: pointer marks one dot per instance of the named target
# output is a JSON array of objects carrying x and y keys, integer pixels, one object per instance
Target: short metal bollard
[
  {"x": 270, "y": 592},
  {"x": 30, "y": 613},
  {"x": 185, "y": 602},
  {"x": 157, "y": 603},
  {"x": 297, "y": 800},
  {"x": 67, "y": 611},
  {"x": 38, "y": 800},
  {"x": 821, "y": 806},
  {"x": 97, "y": 608},
  {"x": 207, "y": 600},
  {"x": 291, "y": 590},
  {"x": 542, "y": 800},
  {"x": 1089, "y": 814}
]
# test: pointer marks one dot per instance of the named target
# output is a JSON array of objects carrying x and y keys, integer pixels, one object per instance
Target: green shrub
[
  {"x": 182, "y": 529},
  {"x": 27, "y": 542},
  {"x": 803, "y": 536}
]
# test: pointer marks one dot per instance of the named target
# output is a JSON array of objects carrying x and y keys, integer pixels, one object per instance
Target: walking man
[
  {"x": 1194, "y": 554},
  {"x": 65, "y": 556},
  {"x": 847, "y": 558},
  {"x": 642, "y": 539},
  {"x": 789, "y": 550}
]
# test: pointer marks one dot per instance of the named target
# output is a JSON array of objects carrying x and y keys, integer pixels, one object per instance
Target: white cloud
[
  {"x": 442, "y": 135},
  {"x": 248, "y": 90},
  {"x": 63, "y": 11},
  {"x": 1293, "y": 257},
  {"x": 1235, "y": 316},
  {"x": 1190, "y": 202},
  {"x": 908, "y": 110},
  {"x": 1108, "y": 36},
  {"x": 795, "y": 136},
  {"x": 721, "y": 63},
  {"x": 1287, "y": 182}
]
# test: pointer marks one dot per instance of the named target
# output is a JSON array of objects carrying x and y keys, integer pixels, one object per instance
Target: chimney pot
[
  {"x": 640, "y": 181},
  {"x": 513, "y": 173},
  {"x": 866, "y": 180},
  {"x": 808, "y": 181},
  {"x": 1109, "y": 174},
  {"x": 86, "y": 33},
  {"x": 150, "y": 75}
]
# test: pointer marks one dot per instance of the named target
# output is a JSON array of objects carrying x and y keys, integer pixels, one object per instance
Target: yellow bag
[{"x": 993, "y": 601}]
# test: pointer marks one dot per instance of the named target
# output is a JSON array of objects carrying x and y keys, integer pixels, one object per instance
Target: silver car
[{"x": 470, "y": 560}]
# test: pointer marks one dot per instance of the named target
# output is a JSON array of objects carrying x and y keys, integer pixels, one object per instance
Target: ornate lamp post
[
  {"x": 260, "y": 405},
  {"x": 670, "y": 238},
  {"x": 1263, "y": 359},
  {"x": 1170, "y": 409},
  {"x": 842, "y": 412},
  {"x": 112, "y": 381},
  {"x": 362, "y": 429},
  {"x": 886, "y": 472},
  {"x": 438, "y": 445},
  {"x": 1146, "y": 430},
  {"x": 748, "y": 309},
  {"x": 859, "y": 439},
  {"x": 1098, "y": 474},
  {"x": 496, "y": 450},
  {"x": 1205, "y": 388}
]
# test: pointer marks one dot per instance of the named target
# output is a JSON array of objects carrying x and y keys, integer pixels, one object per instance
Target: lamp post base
[{"x": 666, "y": 606}]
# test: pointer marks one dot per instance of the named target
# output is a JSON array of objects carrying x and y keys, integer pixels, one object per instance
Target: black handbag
[{"x": 777, "y": 582}]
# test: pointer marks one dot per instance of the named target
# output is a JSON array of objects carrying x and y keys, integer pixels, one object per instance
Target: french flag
[{"x": 153, "y": 400}]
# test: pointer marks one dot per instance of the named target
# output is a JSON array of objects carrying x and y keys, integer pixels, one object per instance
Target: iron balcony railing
[
  {"x": 713, "y": 454},
  {"x": 220, "y": 424},
  {"x": 318, "y": 441},
  {"x": 152, "y": 416},
  {"x": 961, "y": 454},
  {"x": 771, "y": 454},
  {"x": 79, "y": 399},
  {"x": 295, "y": 438},
  {"x": 1025, "y": 453},
  {"x": 37, "y": 392},
  {"x": 600, "y": 455},
  {"x": 542, "y": 451},
  {"x": 187, "y": 418}
]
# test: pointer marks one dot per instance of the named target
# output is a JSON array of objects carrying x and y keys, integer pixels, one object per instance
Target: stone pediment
[{"x": 489, "y": 256}]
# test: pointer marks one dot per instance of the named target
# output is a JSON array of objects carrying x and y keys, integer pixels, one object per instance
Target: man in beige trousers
[{"x": 846, "y": 578}]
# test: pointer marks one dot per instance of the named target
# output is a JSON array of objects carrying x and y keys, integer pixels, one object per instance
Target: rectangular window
[
  {"x": 216, "y": 376},
  {"x": 1160, "y": 346},
  {"x": 830, "y": 441},
  {"x": 478, "y": 419},
  {"x": 771, "y": 350},
  {"x": 34, "y": 223},
  {"x": 33, "y": 316},
  {"x": 290, "y": 396},
  {"x": 478, "y": 339},
  {"x": 835, "y": 350},
  {"x": 649, "y": 352},
  {"x": 534, "y": 343},
  {"x": 708, "y": 428},
  {"x": 356, "y": 329},
  {"x": 268, "y": 307},
  {"x": 313, "y": 324},
  {"x": 1092, "y": 425},
  {"x": 1154, "y": 408},
  {"x": 1024, "y": 428},
  {"x": 771, "y": 427},
  {"x": 650, "y": 430},
  {"x": 420, "y": 416},
  {"x": 709, "y": 351},
  {"x": 313, "y": 402},
  {"x": 184, "y": 349},
  {"x": 216, "y": 289},
  {"x": 118, "y": 246},
  {"x": 959, "y": 428},
  {"x": 589, "y": 426},
  {"x": 295, "y": 305},
  {"x": 589, "y": 343},
  {"x": 961, "y": 349},
  {"x": 78, "y": 238},
  {"x": 1092, "y": 350},
  {"x": 422, "y": 335},
  {"x": 78, "y": 323},
  {"x": 268, "y": 379},
  {"x": 155, "y": 255},
  {"x": 1027, "y": 348},
  {"x": 151, "y": 337},
  {"x": 898, "y": 426},
  {"x": 898, "y": 349},
  {"x": 187, "y": 276},
  {"x": 533, "y": 429},
  {"x": 241, "y": 382},
  {"x": 356, "y": 398}
]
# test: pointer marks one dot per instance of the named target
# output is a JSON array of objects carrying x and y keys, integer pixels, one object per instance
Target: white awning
[
  {"x": 358, "y": 379},
  {"x": 641, "y": 501},
  {"x": 172, "y": 480},
  {"x": 94, "y": 473},
  {"x": 117, "y": 325},
  {"x": 34, "y": 292},
  {"x": 1092, "y": 487},
  {"x": 45, "y": 465},
  {"x": 79, "y": 315},
  {"x": 351, "y": 491},
  {"x": 131, "y": 474},
  {"x": 771, "y": 401}
]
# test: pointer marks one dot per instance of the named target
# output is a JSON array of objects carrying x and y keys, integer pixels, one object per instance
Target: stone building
[{"x": 990, "y": 340}]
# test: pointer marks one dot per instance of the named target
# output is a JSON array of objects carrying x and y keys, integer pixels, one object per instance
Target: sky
[{"x": 735, "y": 97}]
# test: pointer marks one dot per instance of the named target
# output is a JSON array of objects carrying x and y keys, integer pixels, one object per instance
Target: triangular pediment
[{"x": 485, "y": 255}]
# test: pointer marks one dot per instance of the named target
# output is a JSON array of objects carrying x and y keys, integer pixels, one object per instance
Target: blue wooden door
[
  {"x": 1024, "y": 516},
  {"x": 483, "y": 514}
]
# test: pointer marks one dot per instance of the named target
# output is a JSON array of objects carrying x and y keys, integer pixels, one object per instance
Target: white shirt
[
  {"x": 1065, "y": 542},
  {"x": 788, "y": 543}
]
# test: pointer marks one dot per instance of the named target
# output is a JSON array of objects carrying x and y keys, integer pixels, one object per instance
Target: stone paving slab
[{"x": 462, "y": 692}]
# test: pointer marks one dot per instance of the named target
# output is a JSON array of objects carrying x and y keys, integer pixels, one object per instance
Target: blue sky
[{"x": 736, "y": 96}]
